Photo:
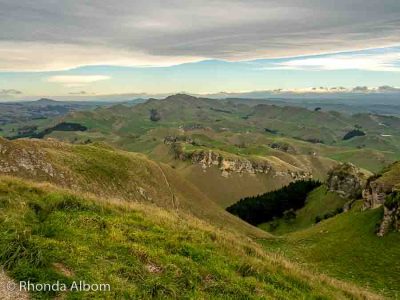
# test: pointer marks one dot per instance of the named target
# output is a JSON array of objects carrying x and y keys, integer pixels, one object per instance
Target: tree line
[{"x": 263, "y": 208}]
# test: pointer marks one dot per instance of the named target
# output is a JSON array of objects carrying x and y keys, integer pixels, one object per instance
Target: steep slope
[
  {"x": 383, "y": 189},
  {"x": 106, "y": 172},
  {"x": 139, "y": 251},
  {"x": 320, "y": 203},
  {"x": 334, "y": 230},
  {"x": 346, "y": 247}
]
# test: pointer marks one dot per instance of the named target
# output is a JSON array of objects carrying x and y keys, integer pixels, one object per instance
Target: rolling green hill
[
  {"x": 357, "y": 242},
  {"x": 352, "y": 240},
  {"x": 188, "y": 112},
  {"x": 346, "y": 247},
  {"x": 48, "y": 234},
  {"x": 106, "y": 172},
  {"x": 141, "y": 226},
  {"x": 288, "y": 138}
]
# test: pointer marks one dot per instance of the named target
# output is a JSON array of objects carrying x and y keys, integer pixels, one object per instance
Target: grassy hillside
[
  {"x": 125, "y": 121},
  {"x": 319, "y": 203},
  {"x": 133, "y": 128},
  {"x": 391, "y": 175},
  {"x": 48, "y": 234},
  {"x": 347, "y": 248},
  {"x": 288, "y": 137},
  {"x": 106, "y": 172}
]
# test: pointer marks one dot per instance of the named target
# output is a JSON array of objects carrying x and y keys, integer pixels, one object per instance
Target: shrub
[
  {"x": 392, "y": 200},
  {"x": 154, "y": 115}
]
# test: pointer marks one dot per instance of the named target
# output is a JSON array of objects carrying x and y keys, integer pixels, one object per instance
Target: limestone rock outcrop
[
  {"x": 28, "y": 160},
  {"x": 375, "y": 192},
  {"x": 384, "y": 190},
  {"x": 229, "y": 164},
  {"x": 391, "y": 220},
  {"x": 347, "y": 180}
]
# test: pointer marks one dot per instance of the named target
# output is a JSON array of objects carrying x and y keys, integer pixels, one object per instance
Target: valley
[
  {"x": 200, "y": 150},
  {"x": 150, "y": 186}
]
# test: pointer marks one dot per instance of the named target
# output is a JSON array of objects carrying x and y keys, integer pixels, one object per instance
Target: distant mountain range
[{"x": 383, "y": 100}]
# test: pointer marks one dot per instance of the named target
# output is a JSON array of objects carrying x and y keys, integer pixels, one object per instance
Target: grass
[
  {"x": 131, "y": 129},
  {"x": 368, "y": 159},
  {"x": 48, "y": 234},
  {"x": 391, "y": 175},
  {"x": 347, "y": 248},
  {"x": 319, "y": 202},
  {"x": 106, "y": 172}
]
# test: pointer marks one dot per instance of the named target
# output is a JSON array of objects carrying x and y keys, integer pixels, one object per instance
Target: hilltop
[
  {"x": 218, "y": 144},
  {"x": 161, "y": 229}
]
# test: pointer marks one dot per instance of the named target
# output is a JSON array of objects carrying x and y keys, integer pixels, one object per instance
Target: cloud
[
  {"x": 54, "y": 35},
  {"x": 388, "y": 89},
  {"x": 361, "y": 89},
  {"x": 370, "y": 61},
  {"x": 9, "y": 92},
  {"x": 82, "y": 93},
  {"x": 316, "y": 91},
  {"x": 380, "y": 89},
  {"x": 76, "y": 80}
]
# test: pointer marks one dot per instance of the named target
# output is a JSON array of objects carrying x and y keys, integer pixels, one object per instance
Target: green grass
[
  {"x": 106, "y": 172},
  {"x": 124, "y": 127},
  {"x": 319, "y": 202},
  {"x": 368, "y": 159},
  {"x": 391, "y": 175},
  {"x": 347, "y": 248},
  {"x": 141, "y": 251}
]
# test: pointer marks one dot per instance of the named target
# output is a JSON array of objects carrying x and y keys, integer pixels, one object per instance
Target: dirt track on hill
[{"x": 9, "y": 289}]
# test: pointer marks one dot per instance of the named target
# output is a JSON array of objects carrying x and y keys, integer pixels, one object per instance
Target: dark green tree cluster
[
  {"x": 27, "y": 132},
  {"x": 263, "y": 208},
  {"x": 353, "y": 133},
  {"x": 328, "y": 215}
]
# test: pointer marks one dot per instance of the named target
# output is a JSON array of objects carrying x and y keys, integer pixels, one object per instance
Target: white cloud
[
  {"x": 370, "y": 62},
  {"x": 76, "y": 80},
  {"x": 33, "y": 56},
  {"x": 55, "y": 35},
  {"x": 9, "y": 92}
]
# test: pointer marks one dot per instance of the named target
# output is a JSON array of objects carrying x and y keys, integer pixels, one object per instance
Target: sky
[{"x": 78, "y": 48}]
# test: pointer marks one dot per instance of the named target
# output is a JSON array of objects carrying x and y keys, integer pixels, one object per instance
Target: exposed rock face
[
  {"x": 229, "y": 165},
  {"x": 391, "y": 219},
  {"x": 209, "y": 158},
  {"x": 375, "y": 192},
  {"x": 347, "y": 180},
  {"x": 30, "y": 161},
  {"x": 171, "y": 139},
  {"x": 285, "y": 147},
  {"x": 383, "y": 190}
]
